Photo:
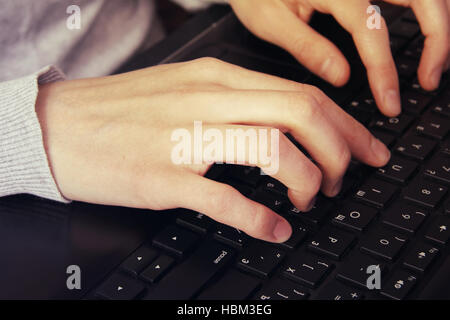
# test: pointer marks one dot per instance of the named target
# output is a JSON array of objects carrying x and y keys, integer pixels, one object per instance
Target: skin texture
[
  {"x": 284, "y": 23},
  {"x": 108, "y": 140}
]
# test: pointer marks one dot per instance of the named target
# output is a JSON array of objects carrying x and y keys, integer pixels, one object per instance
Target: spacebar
[
  {"x": 189, "y": 277},
  {"x": 438, "y": 287}
]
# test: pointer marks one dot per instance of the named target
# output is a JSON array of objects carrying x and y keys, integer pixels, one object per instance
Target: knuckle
[
  {"x": 208, "y": 67},
  {"x": 303, "y": 106}
]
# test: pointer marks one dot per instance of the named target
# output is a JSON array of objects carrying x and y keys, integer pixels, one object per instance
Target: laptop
[{"x": 385, "y": 236}]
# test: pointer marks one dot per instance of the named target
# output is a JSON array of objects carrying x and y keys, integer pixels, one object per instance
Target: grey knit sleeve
[{"x": 24, "y": 166}]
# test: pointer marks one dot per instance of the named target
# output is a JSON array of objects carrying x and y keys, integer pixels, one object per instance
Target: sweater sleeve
[
  {"x": 193, "y": 5},
  {"x": 24, "y": 166}
]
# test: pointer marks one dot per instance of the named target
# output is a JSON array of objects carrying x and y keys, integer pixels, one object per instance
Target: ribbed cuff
[
  {"x": 24, "y": 165},
  {"x": 194, "y": 5}
]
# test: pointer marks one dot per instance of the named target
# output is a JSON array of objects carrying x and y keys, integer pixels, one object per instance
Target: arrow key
[
  {"x": 120, "y": 287},
  {"x": 175, "y": 240},
  {"x": 157, "y": 269}
]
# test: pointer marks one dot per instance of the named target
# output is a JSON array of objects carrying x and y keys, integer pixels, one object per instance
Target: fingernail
[
  {"x": 435, "y": 77},
  {"x": 337, "y": 188},
  {"x": 282, "y": 231},
  {"x": 331, "y": 71},
  {"x": 392, "y": 101},
  {"x": 380, "y": 150}
]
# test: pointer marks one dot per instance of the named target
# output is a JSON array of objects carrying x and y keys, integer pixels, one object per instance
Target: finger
[
  {"x": 363, "y": 145},
  {"x": 297, "y": 112},
  {"x": 433, "y": 17},
  {"x": 264, "y": 147},
  {"x": 226, "y": 205},
  {"x": 283, "y": 28},
  {"x": 374, "y": 49}
]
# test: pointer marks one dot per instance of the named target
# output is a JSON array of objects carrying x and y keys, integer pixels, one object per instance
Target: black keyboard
[{"x": 395, "y": 218}]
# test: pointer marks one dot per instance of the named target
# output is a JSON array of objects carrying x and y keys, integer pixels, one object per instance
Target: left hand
[{"x": 284, "y": 23}]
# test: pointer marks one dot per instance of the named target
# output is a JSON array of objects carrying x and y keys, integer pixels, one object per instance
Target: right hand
[{"x": 108, "y": 140}]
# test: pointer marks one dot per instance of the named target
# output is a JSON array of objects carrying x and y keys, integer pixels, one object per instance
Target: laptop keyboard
[{"x": 396, "y": 218}]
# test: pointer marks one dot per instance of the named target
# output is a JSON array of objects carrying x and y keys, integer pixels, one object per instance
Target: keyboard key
[
  {"x": 376, "y": 192},
  {"x": 415, "y": 147},
  {"x": 364, "y": 102},
  {"x": 332, "y": 243},
  {"x": 399, "y": 285},
  {"x": 120, "y": 287},
  {"x": 397, "y": 170},
  {"x": 307, "y": 270},
  {"x": 231, "y": 236},
  {"x": 441, "y": 107},
  {"x": 359, "y": 115},
  {"x": 316, "y": 215},
  {"x": 141, "y": 258},
  {"x": 409, "y": 16},
  {"x": 396, "y": 125},
  {"x": 404, "y": 217},
  {"x": 383, "y": 244},
  {"x": 445, "y": 148},
  {"x": 299, "y": 234},
  {"x": 415, "y": 103},
  {"x": 270, "y": 200},
  {"x": 175, "y": 240},
  {"x": 354, "y": 216},
  {"x": 335, "y": 290},
  {"x": 195, "y": 221},
  {"x": 439, "y": 230},
  {"x": 282, "y": 289},
  {"x": 421, "y": 257},
  {"x": 384, "y": 137},
  {"x": 354, "y": 271},
  {"x": 414, "y": 50},
  {"x": 397, "y": 43},
  {"x": 157, "y": 269},
  {"x": 275, "y": 186},
  {"x": 189, "y": 277},
  {"x": 406, "y": 68},
  {"x": 433, "y": 127},
  {"x": 447, "y": 207},
  {"x": 404, "y": 29},
  {"x": 234, "y": 285},
  {"x": 425, "y": 193},
  {"x": 439, "y": 169},
  {"x": 248, "y": 175},
  {"x": 260, "y": 259}
]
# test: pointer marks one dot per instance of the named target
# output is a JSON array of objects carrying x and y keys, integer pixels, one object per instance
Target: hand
[
  {"x": 108, "y": 139},
  {"x": 284, "y": 23}
]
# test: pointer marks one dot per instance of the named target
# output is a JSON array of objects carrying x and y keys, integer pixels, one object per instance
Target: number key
[{"x": 425, "y": 193}]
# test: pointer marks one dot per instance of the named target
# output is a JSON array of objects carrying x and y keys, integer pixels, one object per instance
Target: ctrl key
[{"x": 120, "y": 287}]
